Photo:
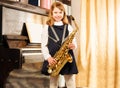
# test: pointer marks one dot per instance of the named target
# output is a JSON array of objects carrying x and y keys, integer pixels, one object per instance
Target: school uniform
[{"x": 52, "y": 39}]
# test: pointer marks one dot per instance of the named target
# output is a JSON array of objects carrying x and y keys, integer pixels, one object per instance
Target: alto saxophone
[{"x": 62, "y": 56}]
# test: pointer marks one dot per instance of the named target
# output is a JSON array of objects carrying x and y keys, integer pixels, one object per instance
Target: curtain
[{"x": 99, "y": 44}]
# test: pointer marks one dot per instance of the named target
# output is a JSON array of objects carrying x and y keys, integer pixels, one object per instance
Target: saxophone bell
[{"x": 69, "y": 58}]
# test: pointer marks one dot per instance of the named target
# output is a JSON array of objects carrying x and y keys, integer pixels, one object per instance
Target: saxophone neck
[{"x": 76, "y": 25}]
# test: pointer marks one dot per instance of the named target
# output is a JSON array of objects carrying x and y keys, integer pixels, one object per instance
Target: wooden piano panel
[{"x": 13, "y": 20}]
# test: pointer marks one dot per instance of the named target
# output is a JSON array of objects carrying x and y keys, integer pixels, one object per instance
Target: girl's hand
[
  {"x": 71, "y": 46},
  {"x": 51, "y": 61}
]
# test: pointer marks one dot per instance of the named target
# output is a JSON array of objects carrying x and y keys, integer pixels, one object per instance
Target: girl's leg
[
  {"x": 54, "y": 82},
  {"x": 61, "y": 81},
  {"x": 70, "y": 81}
]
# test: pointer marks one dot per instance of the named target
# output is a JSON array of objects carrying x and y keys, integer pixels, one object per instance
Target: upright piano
[{"x": 15, "y": 45}]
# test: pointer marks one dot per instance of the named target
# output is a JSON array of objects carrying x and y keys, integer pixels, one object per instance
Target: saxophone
[{"x": 62, "y": 56}]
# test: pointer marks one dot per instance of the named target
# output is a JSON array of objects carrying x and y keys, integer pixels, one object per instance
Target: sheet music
[{"x": 34, "y": 32}]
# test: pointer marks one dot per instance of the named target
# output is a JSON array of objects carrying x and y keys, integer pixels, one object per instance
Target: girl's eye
[{"x": 55, "y": 12}]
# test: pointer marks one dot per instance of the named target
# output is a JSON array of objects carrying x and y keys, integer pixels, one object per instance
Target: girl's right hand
[{"x": 51, "y": 61}]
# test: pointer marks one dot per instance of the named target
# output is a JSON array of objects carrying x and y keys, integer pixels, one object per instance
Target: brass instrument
[{"x": 62, "y": 56}]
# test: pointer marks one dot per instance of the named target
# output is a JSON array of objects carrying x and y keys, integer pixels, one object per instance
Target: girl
[{"x": 54, "y": 34}]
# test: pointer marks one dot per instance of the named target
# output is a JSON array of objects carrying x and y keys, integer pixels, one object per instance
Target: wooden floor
[{"x": 28, "y": 77}]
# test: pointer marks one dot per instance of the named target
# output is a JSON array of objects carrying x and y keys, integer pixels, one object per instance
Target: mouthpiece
[{"x": 72, "y": 17}]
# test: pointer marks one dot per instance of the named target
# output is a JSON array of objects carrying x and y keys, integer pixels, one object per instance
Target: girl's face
[{"x": 57, "y": 14}]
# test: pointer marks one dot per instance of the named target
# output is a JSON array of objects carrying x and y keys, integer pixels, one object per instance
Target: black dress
[{"x": 69, "y": 68}]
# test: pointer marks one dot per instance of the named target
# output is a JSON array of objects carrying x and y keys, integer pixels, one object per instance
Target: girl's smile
[{"x": 57, "y": 14}]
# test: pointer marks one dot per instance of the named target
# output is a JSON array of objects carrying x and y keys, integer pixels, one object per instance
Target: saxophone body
[{"x": 62, "y": 56}]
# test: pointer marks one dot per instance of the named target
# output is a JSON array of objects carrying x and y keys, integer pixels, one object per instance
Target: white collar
[{"x": 58, "y": 23}]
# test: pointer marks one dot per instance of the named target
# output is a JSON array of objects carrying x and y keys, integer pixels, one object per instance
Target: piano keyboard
[{"x": 32, "y": 55}]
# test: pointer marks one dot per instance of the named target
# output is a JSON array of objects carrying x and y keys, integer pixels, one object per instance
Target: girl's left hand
[{"x": 71, "y": 46}]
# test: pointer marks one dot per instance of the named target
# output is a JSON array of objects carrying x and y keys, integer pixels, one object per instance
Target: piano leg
[
  {"x": 9, "y": 59},
  {"x": 3, "y": 77}
]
